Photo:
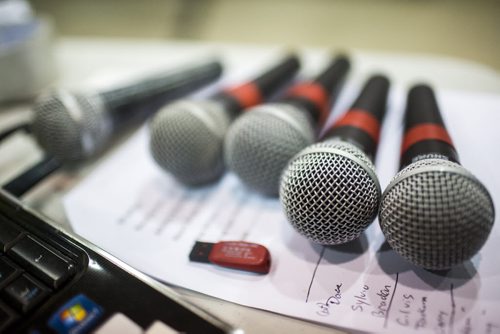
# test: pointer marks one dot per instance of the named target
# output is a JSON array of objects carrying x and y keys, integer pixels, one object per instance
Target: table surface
[{"x": 78, "y": 59}]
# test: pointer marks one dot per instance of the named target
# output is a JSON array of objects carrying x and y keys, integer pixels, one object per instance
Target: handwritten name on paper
[
  {"x": 334, "y": 299},
  {"x": 442, "y": 321},
  {"x": 422, "y": 314},
  {"x": 404, "y": 312},
  {"x": 384, "y": 295},
  {"x": 361, "y": 299}
]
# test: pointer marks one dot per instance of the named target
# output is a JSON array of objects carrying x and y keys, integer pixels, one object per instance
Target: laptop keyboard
[
  {"x": 54, "y": 282},
  {"x": 30, "y": 272}
]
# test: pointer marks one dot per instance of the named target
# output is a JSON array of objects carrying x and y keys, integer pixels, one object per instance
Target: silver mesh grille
[
  {"x": 70, "y": 126},
  {"x": 261, "y": 142},
  {"x": 330, "y": 192},
  {"x": 436, "y": 214},
  {"x": 187, "y": 140}
]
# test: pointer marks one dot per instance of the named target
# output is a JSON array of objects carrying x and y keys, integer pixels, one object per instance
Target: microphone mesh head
[
  {"x": 260, "y": 143},
  {"x": 330, "y": 192},
  {"x": 71, "y": 127},
  {"x": 187, "y": 140},
  {"x": 436, "y": 214}
]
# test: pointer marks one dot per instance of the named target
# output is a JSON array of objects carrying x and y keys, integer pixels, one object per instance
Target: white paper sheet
[{"x": 133, "y": 210}]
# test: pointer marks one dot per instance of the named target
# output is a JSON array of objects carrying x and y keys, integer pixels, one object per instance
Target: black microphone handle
[
  {"x": 373, "y": 97},
  {"x": 168, "y": 85},
  {"x": 421, "y": 107},
  {"x": 317, "y": 96},
  {"x": 425, "y": 133},
  {"x": 256, "y": 91},
  {"x": 361, "y": 124},
  {"x": 272, "y": 80},
  {"x": 331, "y": 79},
  {"x": 25, "y": 126},
  {"x": 32, "y": 176}
]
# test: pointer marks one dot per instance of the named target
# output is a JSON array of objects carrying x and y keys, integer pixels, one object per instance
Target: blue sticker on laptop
[{"x": 76, "y": 316}]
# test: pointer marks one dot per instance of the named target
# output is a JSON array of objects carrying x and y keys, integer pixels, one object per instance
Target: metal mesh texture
[
  {"x": 187, "y": 140},
  {"x": 260, "y": 143},
  {"x": 330, "y": 198},
  {"x": 436, "y": 214},
  {"x": 71, "y": 127}
]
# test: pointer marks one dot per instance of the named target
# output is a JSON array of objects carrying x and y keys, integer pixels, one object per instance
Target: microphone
[
  {"x": 75, "y": 126},
  {"x": 186, "y": 137},
  {"x": 259, "y": 143},
  {"x": 434, "y": 212},
  {"x": 329, "y": 191},
  {"x": 29, "y": 178},
  {"x": 6, "y": 133}
]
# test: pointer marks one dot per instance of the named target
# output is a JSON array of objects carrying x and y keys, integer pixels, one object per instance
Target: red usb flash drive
[{"x": 239, "y": 255}]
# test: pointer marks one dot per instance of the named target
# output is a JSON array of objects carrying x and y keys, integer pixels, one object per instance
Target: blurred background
[{"x": 467, "y": 29}]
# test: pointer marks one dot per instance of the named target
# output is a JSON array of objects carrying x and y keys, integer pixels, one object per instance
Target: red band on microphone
[
  {"x": 316, "y": 94},
  {"x": 362, "y": 120},
  {"x": 247, "y": 95},
  {"x": 425, "y": 131}
]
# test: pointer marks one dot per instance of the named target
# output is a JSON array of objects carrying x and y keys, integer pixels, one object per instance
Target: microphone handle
[
  {"x": 425, "y": 133},
  {"x": 361, "y": 124},
  {"x": 317, "y": 96},
  {"x": 24, "y": 126},
  {"x": 32, "y": 176},
  {"x": 272, "y": 80},
  {"x": 243, "y": 96},
  {"x": 334, "y": 75},
  {"x": 166, "y": 86}
]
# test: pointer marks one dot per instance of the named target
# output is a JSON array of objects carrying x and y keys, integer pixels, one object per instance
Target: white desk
[{"x": 80, "y": 59}]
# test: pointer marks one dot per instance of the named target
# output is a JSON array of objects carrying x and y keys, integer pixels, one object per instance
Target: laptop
[{"x": 54, "y": 282}]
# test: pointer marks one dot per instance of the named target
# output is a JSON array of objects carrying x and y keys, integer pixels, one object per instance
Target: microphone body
[
  {"x": 434, "y": 212},
  {"x": 186, "y": 137},
  {"x": 76, "y": 126},
  {"x": 260, "y": 143},
  {"x": 329, "y": 191}
]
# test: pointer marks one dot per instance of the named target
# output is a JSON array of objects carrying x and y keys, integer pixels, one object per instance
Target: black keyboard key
[
  {"x": 8, "y": 234},
  {"x": 8, "y": 271},
  {"x": 25, "y": 292},
  {"x": 7, "y": 316},
  {"x": 42, "y": 262}
]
